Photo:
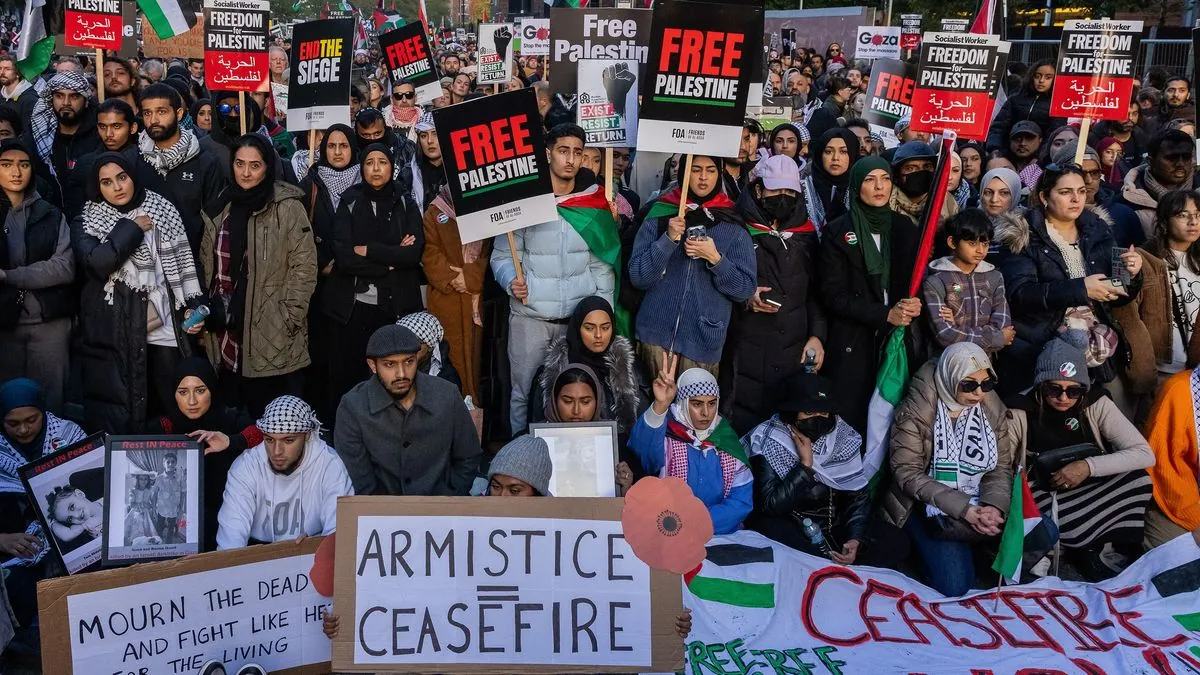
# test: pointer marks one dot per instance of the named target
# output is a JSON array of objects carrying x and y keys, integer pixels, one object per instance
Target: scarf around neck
[
  {"x": 964, "y": 450},
  {"x": 837, "y": 456},
  {"x": 869, "y": 220},
  {"x": 165, "y": 160},
  {"x": 337, "y": 181}
]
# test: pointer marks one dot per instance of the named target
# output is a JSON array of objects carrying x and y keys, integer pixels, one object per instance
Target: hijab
[
  {"x": 577, "y": 352},
  {"x": 559, "y": 382},
  {"x": 214, "y": 418},
  {"x": 869, "y": 220},
  {"x": 24, "y": 393},
  {"x": 94, "y": 194},
  {"x": 695, "y": 382},
  {"x": 373, "y": 212},
  {"x": 1010, "y": 178},
  {"x": 707, "y": 210},
  {"x": 337, "y": 181},
  {"x": 959, "y": 361},
  {"x": 10, "y": 145},
  {"x": 832, "y": 189},
  {"x": 962, "y": 193},
  {"x": 194, "y": 111}
]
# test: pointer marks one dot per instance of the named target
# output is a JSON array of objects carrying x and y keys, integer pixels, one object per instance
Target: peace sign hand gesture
[{"x": 664, "y": 384}]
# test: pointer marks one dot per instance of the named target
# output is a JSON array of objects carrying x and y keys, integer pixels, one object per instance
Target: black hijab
[
  {"x": 214, "y": 419},
  {"x": 371, "y": 216},
  {"x": 94, "y": 194},
  {"x": 244, "y": 202},
  {"x": 787, "y": 126},
  {"x": 323, "y": 156},
  {"x": 577, "y": 352},
  {"x": 832, "y": 189},
  {"x": 8, "y": 145}
]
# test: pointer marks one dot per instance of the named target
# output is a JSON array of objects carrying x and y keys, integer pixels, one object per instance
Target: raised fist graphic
[
  {"x": 618, "y": 80},
  {"x": 503, "y": 36}
]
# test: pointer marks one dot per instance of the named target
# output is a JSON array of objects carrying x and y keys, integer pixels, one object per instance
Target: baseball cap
[
  {"x": 1025, "y": 127},
  {"x": 912, "y": 150},
  {"x": 778, "y": 172}
]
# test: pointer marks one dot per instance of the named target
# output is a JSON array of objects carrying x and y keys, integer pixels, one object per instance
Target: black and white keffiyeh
[
  {"x": 171, "y": 244},
  {"x": 837, "y": 456},
  {"x": 43, "y": 122},
  {"x": 337, "y": 181},
  {"x": 166, "y": 160},
  {"x": 288, "y": 415},
  {"x": 427, "y": 327},
  {"x": 964, "y": 449}
]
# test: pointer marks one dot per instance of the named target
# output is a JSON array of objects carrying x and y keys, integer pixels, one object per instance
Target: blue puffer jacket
[{"x": 559, "y": 269}]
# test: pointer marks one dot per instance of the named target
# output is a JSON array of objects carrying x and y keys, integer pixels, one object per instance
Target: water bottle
[
  {"x": 199, "y": 314},
  {"x": 810, "y": 361},
  {"x": 814, "y": 534}
]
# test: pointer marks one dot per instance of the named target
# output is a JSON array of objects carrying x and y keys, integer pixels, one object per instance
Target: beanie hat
[
  {"x": 526, "y": 458},
  {"x": 1062, "y": 359}
]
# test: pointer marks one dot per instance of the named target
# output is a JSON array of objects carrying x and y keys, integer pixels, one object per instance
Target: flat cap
[{"x": 392, "y": 339}]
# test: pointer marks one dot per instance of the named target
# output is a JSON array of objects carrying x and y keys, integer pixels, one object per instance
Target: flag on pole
[
  {"x": 892, "y": 379},
  {"x": 990, "y": 21},
  {"x": 35, "y": 42},
  {"x": 588, "y": 214},
  {"x": 385, "y": 19},
  {"x": 169, "y": 18},
  {"x": 1024, "y": 522},
  {"x": 421, "y": 14}
]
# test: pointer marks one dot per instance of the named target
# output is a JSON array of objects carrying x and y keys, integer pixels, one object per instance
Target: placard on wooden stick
[{"x": 497, "y": 586}]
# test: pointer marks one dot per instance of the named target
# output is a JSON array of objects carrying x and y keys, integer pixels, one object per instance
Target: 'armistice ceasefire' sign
[
  {"x": 93, "y": 23},
  {"x": 698, "y": 77},
  {"x": 501, "y": 586},
  {"x": 1096, "y": 69},
  {"x": 319, "y": 93},
  {"x": 495, "y": 163},
  {"x": 235, "y": 44},
  {"x": 408, "y": 58},
  {"x": 594, "y": 34},
  {"x": 955, "y": 83},
  {"x": 889, "y": 97}
]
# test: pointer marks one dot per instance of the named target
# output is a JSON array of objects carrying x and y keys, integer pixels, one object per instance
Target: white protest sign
[
  {"x": 535, "y": 37},
  {"x": 495, "y": 53},
  {"x": 877, "y": 42},
  {"x": 608, "y": 105}
]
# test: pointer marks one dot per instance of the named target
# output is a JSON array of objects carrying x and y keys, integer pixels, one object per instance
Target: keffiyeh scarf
[
  {"x": 837, "y": 456},
  {"x": 337, "y": 181},
  {"x": 300, "y": 164},
  {"x": 964, "y": 449},
  {"x": 426, "y": 327},
  {"x": 43, "y": 122},
  {"x": 288, "y": 415},
  {"x": 719, "y": 436},
  {"x": 174, "y": 253},
  {"x": 166, "y": 160}
]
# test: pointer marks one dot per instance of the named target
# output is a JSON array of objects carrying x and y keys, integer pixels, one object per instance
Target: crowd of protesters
[{"x": 349, "y": 339}]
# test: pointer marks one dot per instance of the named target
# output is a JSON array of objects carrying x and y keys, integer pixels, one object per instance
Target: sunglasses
[
  {"x": 225, "y": 108},
  {"x": 404, "y": 95},
  {"x": 969, "y": 386},
  {"x": 1073, "y": 392}
]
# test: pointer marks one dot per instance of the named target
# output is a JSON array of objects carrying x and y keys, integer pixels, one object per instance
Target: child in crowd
[{"x": 964, "y": 292}]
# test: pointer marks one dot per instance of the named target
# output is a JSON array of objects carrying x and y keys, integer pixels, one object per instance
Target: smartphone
[
  {"x": 775, "y": 303},
  {"x": 696, "y": 232}
]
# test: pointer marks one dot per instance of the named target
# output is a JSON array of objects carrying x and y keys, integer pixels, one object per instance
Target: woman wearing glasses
[
  {"x": 1085, "y": 460},
  {"x": 952, "y": 457}
]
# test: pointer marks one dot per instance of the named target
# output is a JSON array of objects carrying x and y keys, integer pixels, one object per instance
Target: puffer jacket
[
  {"x": 1040, "y": 291},
  {"x": 560, "y": 270},
  {"x": 911, "y": 453},
  {"x": 1024, "y": 105},
  {"x": 282, "y": 277},
  {"x": 625, "y": 390}
]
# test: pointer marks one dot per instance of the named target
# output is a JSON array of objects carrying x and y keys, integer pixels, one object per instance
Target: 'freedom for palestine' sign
[
  {"x": 1096, "y": 69},
  {"x": 235, "y": 44},
  {"x": 955, "y": 84}
]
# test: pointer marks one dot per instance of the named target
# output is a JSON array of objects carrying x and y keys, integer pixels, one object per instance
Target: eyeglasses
[
  {"x": 969, "y": 386},
  {"x": 404, "y": 95},
  {"x": 225, "y": 108},
  {"x": 1186, "y": 216},
  {"x": 1092, "y": 175},
  {"x": 1073, "y": 392}
]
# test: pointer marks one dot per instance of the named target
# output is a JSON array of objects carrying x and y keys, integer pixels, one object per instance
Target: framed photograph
[
  {"x": 584, "y": 455},
  {"x": 67, "y": 492},
  {"x": 152, "y": 488}
]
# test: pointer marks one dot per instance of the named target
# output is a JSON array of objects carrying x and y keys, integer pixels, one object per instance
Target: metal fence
[{"x": 1173, "y": 54}]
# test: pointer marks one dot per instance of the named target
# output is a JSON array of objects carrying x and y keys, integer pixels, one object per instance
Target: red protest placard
[
  {"x": 1096, "y": 69},
  {"x": 235, "y": 44},
  {"x": 955, "y": 83},
  {"x": 95, "y": 24}
]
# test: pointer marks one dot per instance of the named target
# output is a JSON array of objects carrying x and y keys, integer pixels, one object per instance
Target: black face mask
[
  {"x": 778, "y": 207},
  {"x": 814, "y": 428},
  {"x": 915, "y": 184}
]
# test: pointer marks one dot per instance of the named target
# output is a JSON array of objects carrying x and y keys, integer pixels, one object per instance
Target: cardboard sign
[
  {"x": 495, "y": 53},
  {"x": 66, "y": 482},
  {"x": 250, "y": 605},
  {"x": 189, "y": 45},
  {"x": 409, "y": 58},
  {"x": 1096, "y": 69},
  {"x": 698, "y": 77},
  {"x": 759, "y": 607},
  {"x": 235, "y": 44},
  {"x": 889, "y": 97},
  {"x": 495, "y": 163},
  {"x": 93, "y": 23},
  {"x": 955, "y": 83},
  {"x": 535, "y": 37},
  {"x": 910, "y": 31},
  {"x": 319, "y": 88},
  {"x": 279, "y": 96},
  {"x": 501, "y": 586},
  {"x": 595, "y": 34},
  {"x": 608, "y": 105},
  {"x": 877, "y": 42},
  {"x": 956, "y": 25}
]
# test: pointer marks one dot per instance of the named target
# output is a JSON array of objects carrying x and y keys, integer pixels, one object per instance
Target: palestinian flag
[
  {"x": 169, "y": 18},
  {"x": 1024, "y": 523},
  {"x": 668, "y": 204},
  {"x": 34, "y": 44},
  {"x": 892, "y": 379},
  {"x": 588, "y": 213},
  {"x": 758, "y": 229},
  {"x": 989, "y": 20},
  {"x": 736, "y": 575},
  {"x": 567, "y": 3},
  {"x": 387, "y": 20}
]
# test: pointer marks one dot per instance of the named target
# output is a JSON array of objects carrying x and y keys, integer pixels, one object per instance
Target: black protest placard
[
  {"x": 495, "y": 161},
  {"x": 1096, "y": 69},
  {"x": 594, "y": 34},
  {"x": 698, "y": 75},
  {"x": 93, "y": 23},
  {"x": 235, "y": 44},
  {"x": 956, "y": 83},
  {"x": 889, "y": 97},
  {"x": 319, "y": 92},
  {"x": 408, "y": 58}
]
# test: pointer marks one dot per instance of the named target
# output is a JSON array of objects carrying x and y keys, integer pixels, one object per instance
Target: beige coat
[
  {"x": 282, "y": 276},
  {"x": 1124, "y": 446}
]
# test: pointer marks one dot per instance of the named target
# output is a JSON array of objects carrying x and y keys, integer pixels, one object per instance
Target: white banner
[
  {"x": 759, "y": 607},
  {"x": 608, "y": 102},
  {"x": 535, "y": 37},
  {"x": 877, "y": 42}
]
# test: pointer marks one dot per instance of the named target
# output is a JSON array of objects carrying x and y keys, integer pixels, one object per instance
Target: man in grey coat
[{"x": 401, "y": 431}]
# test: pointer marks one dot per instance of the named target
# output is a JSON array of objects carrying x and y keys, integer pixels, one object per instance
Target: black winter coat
[
  {"x": 1040, "y": 291},
  {"x": 800, "y": 495},
  {"x": 322, "y": 215},
  {"x": 765, "y": 348},
  {"x": 114, "y": 345},
  {"x": 399, "y": 287},
  {"x": 190, "y": 187},
  {"x": 68, "y": 149},
  {"x": 856, "y": 312},
  {"x": 1018, "y": 108}
]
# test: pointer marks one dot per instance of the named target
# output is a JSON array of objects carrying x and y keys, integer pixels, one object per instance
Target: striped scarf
[
  {"x": 723, "y": 440},
  {"x": 964, "y": 449}
]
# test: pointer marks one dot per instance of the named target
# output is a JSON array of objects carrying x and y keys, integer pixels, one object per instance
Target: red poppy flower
[
  {"x": 665, "y": 525},
  {"x": 321, "y": 573}
]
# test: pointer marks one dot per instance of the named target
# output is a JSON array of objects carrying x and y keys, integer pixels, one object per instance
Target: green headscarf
[{"x": 871, "y": 220}]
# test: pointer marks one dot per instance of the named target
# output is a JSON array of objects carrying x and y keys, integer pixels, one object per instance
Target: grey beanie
[
  {"x": 1066, "y": 154},
  {"x": 526, "y": 458},
  {"x": 1062, "y": 359},
  {"x": 392, "y": 339}
]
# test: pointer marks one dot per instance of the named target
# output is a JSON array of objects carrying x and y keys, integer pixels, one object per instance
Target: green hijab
[{"x": 871, "y": 220}]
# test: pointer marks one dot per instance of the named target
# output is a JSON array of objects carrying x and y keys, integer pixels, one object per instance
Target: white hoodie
[{"x": 265, "y": 505}]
